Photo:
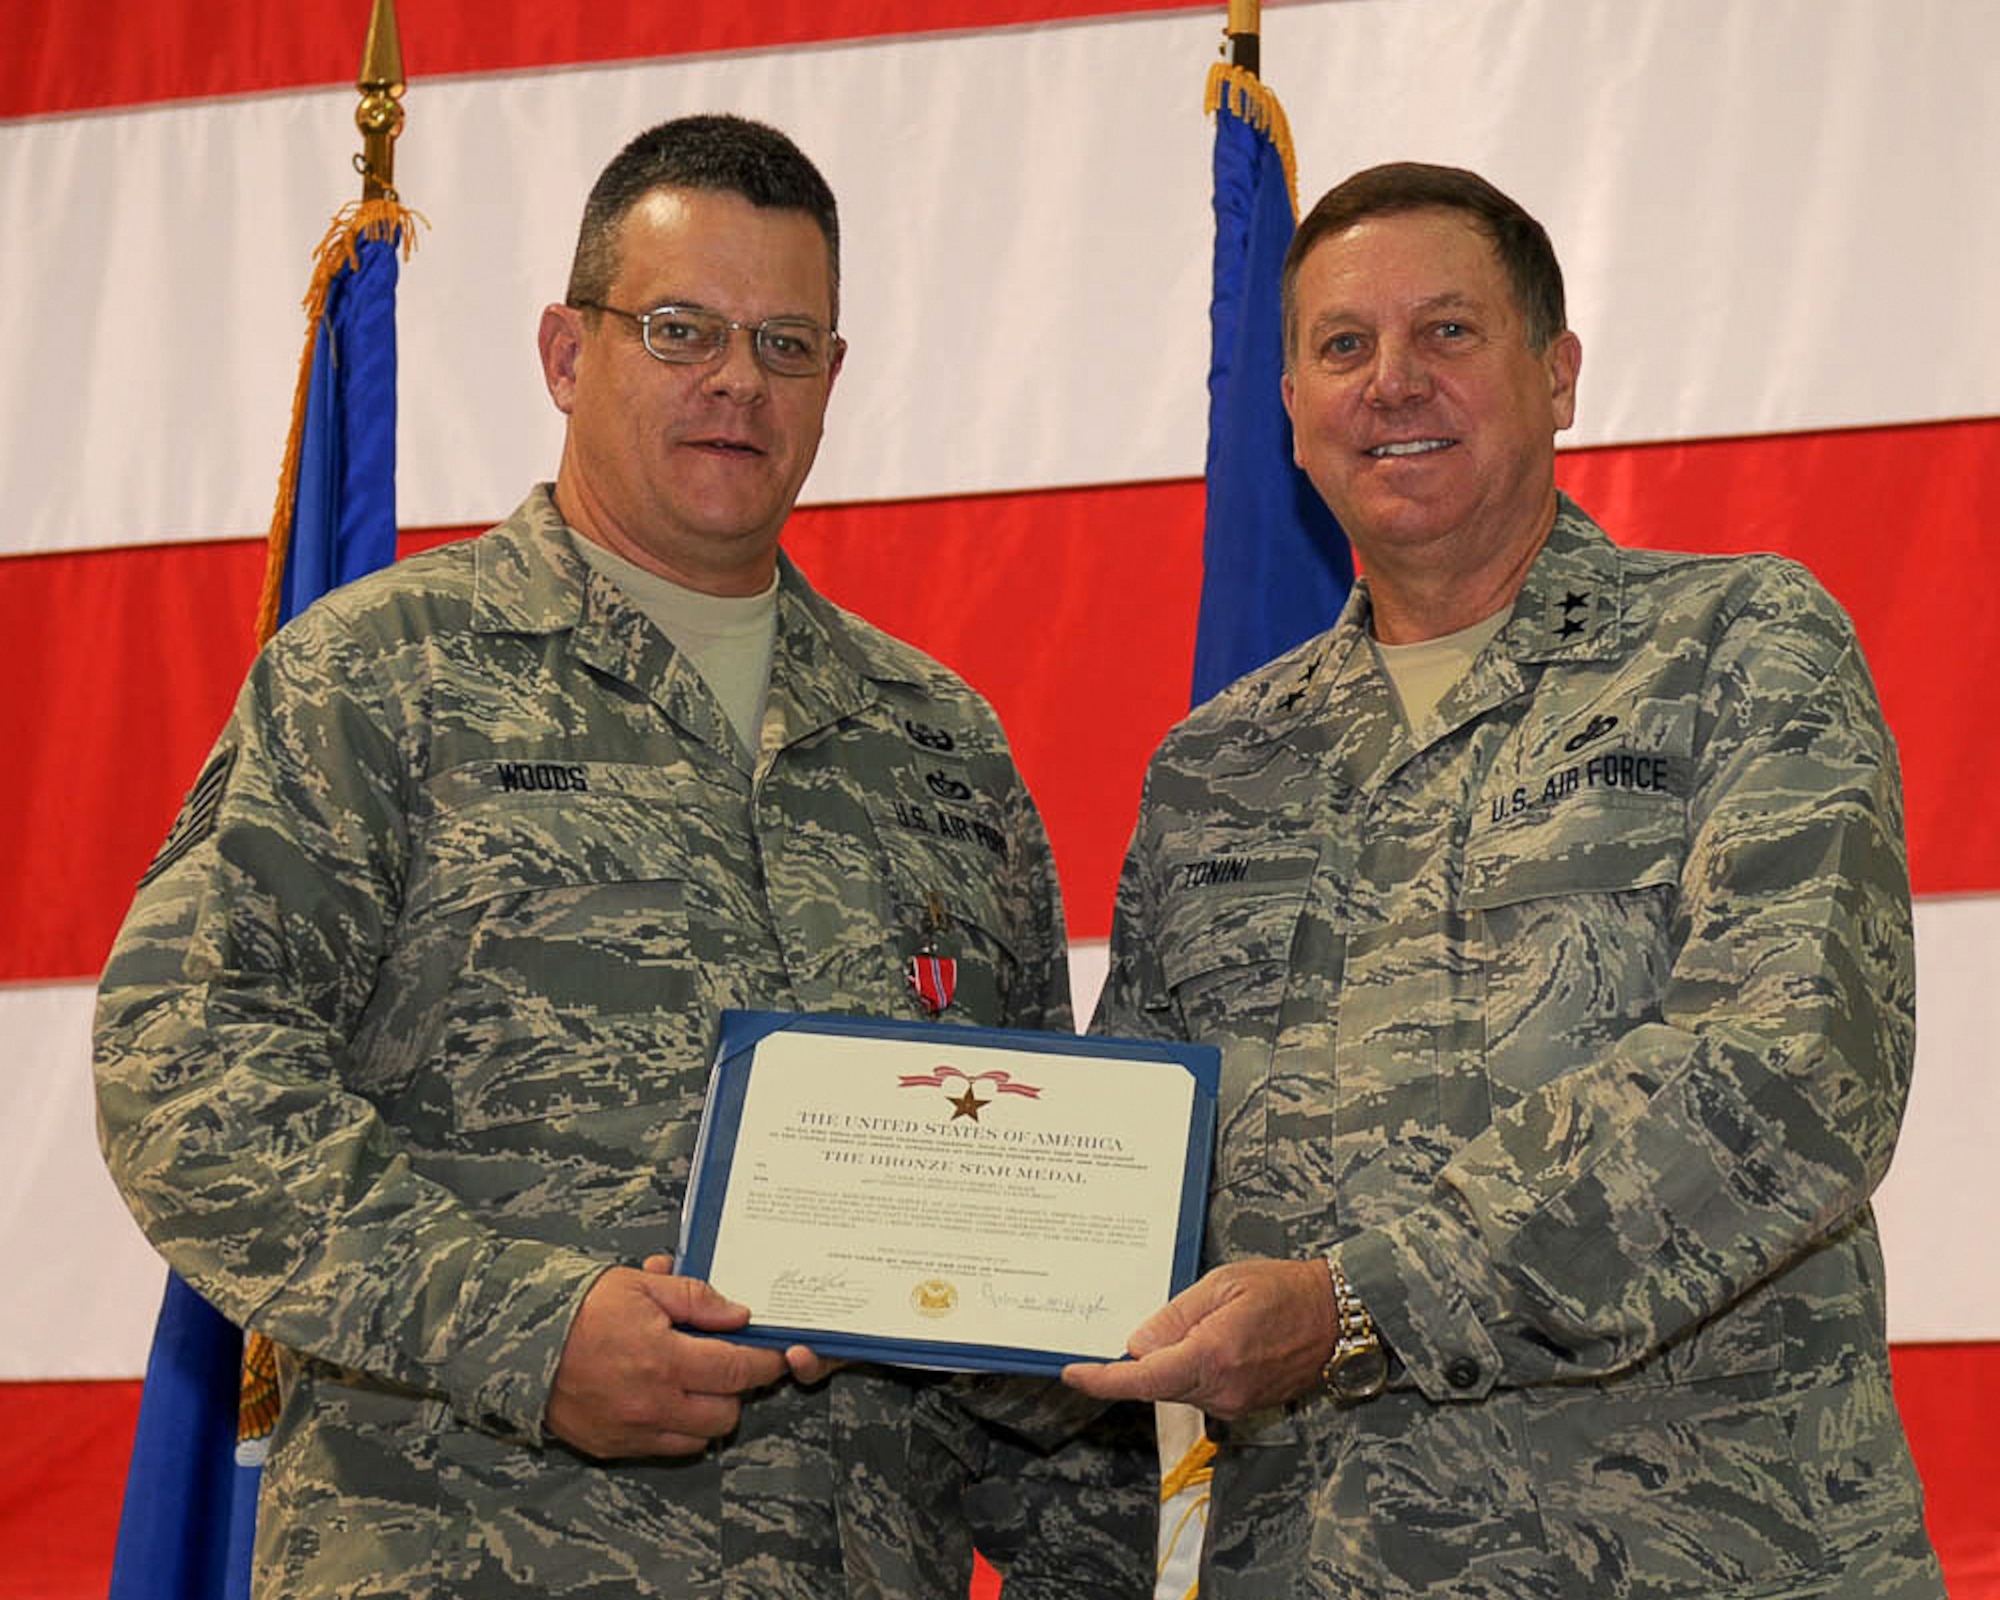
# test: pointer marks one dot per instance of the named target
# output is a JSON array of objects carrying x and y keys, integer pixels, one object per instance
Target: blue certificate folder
[{"x": 930, "y": 1195}]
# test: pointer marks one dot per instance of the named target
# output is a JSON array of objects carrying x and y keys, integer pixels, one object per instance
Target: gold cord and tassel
[
  {"x": 1194, "y": 1471},
  {"x": 1248, "y": 100}
]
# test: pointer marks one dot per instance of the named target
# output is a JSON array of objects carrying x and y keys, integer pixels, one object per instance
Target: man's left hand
[
  {"x": 1250, "y": 1335},
  {"x": 807, "y": 1365}
]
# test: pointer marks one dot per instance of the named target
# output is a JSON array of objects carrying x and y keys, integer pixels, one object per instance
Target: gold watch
[{"x": 1358, "y": 1369}]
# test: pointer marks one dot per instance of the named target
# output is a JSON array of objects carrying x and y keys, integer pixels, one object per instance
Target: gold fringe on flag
[
  {"x": 1251, "y": 101},
  {"x": 257, "y": 1403},
  {"x": 1195, "y": 1470},
  {"x": 338, "y": 250}
]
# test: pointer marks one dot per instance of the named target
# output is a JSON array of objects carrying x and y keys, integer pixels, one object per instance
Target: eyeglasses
[{"x": 686, "y": 336}]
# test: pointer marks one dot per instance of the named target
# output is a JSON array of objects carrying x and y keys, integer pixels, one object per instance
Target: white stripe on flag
[{"x": 83, "y": 1286}]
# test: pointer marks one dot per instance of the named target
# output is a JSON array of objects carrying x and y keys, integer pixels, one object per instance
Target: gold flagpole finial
[
  {"x": 1242, "y": 31},
  {"x": 380, "y": 114}
]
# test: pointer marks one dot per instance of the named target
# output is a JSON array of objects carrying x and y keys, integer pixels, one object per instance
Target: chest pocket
[
  {"x": 554, "y": 961},
  {"x": 1228, "y": 924},
  {"x": 1574, "y": 929}
]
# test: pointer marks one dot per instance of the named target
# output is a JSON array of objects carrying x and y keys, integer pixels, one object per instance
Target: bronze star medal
[{"x": 932, "y": 978}]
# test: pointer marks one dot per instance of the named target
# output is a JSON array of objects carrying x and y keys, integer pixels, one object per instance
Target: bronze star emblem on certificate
[{"x": 966, "y": 1105}]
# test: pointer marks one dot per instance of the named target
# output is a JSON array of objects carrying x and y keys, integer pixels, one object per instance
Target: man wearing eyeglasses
[{"x": 401, "y": 1053}]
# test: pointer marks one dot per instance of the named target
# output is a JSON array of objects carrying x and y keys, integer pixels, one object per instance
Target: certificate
[{"x": 939, "y": 1196}]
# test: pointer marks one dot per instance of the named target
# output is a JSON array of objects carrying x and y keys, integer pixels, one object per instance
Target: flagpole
[
  {"x": 380, "y": 114},
  {"x": 1242, "y": 31},
  {"x": 1185, "y": 1484},
  {"x": 378, "y": 217}
]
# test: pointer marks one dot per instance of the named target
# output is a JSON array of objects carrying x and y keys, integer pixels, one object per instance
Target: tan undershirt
[
  {"x": 729, "y": 638},
  {"x": 1423, "y": 673}
]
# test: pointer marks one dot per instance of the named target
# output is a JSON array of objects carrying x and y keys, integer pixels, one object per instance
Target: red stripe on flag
[
  {"x": 1073, "y": 610},
  {"x": 120, "y": 667},
  {"x": 66, "y": 57},
  {"x": 1949, "y": 1399}
]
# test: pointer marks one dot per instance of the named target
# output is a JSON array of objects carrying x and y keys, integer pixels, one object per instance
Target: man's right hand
[{"x": 631, "y": 1384}]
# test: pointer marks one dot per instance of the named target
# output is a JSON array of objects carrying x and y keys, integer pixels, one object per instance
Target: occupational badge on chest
[{"x": 932, "y": 976}]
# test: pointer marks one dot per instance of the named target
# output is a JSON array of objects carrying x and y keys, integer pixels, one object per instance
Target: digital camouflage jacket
[
  {"x": 1578, "y": 1021},
  {"x": 404, "y": 1041}
]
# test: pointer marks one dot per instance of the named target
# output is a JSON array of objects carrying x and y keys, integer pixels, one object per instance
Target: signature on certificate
[
  {"x": 795, "y": 1280},
  {"x": 1073, "y": 1307}
]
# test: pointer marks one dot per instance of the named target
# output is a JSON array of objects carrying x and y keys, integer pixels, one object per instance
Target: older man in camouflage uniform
[
  {"x": 401, "y": 1050},
  {"x": 1552, "y": 915}
]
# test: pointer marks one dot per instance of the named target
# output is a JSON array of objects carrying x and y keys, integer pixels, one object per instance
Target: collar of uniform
[
  {"x": 819, "y": 672},
  {"x": 861, "y": 648},
  {"x": 1291, "y": 692},
  {"x": 1281, "y": 713},
  {"x": 526, "y": 578},
  {"x": 1568, "y": 609},
  {"x": 530, "y": 579}
]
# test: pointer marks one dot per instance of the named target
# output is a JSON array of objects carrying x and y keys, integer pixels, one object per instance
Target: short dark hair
[
  {"x": 714, "y": 151},
  {"x": 1521, "y": 242}
]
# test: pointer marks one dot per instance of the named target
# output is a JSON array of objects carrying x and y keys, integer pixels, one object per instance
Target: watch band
[{"x": 1358, "y": 1368}]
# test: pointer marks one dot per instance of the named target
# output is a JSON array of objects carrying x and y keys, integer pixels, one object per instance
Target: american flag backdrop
[{"x": 1778, "y": 219}]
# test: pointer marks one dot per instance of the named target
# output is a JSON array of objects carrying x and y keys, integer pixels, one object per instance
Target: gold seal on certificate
[
  {"x": 934, "y": 1298},
  {"x": 948, "y": 1196}
]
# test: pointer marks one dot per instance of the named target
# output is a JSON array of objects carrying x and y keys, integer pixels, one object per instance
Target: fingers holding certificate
[{"x": 944, "y": 1196}]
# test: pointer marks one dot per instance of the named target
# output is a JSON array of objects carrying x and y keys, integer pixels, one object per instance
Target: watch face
[{"x": 1360, "y": 1373}]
